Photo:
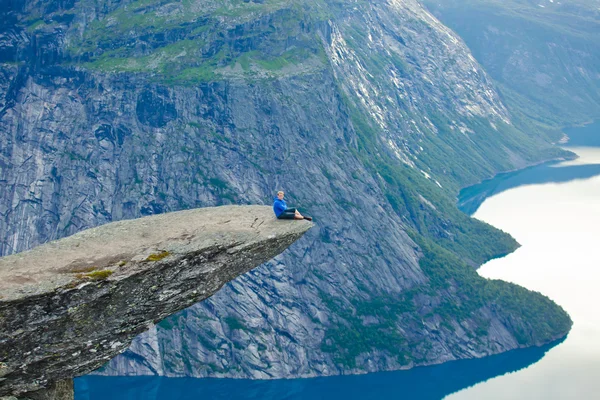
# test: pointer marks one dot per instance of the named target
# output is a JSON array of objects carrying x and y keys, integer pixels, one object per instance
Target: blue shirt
[{"x": 279, "y": 206}]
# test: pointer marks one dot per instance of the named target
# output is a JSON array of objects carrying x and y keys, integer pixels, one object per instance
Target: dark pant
[{"x": 289, "y": 213}]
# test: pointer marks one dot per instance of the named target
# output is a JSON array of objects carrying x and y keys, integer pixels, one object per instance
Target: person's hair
[{"x": 281, "y": 191}]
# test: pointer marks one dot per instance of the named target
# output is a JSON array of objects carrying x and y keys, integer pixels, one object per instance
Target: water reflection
[
  {"x": 426, "y": 383},
  {"x": 471, "y": 198},
  {"x": 588, "y": 135}
]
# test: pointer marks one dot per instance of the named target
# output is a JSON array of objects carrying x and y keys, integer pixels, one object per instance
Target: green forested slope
[{"x": 544, "y": 55}]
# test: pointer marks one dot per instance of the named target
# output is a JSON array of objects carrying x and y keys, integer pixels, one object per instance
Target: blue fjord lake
[{"x": 553, "y": 210}]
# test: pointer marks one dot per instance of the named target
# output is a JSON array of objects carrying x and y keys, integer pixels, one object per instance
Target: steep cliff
[
  {"x": 370, "y": 115},
  {"x": 70, "y": 305},
  {"x": 544, "y": 55}
]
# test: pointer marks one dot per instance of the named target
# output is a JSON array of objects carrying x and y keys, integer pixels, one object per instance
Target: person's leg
[
  {"x": 300, "y": 216},
  {"x": 287, "y": 214},
  {"x": 294, "y": 212}
]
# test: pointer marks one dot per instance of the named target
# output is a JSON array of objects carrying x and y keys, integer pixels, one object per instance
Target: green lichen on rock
[
  {"x": 157, "y": 256},
  {"x": 98, "y": 275},
  {"x": 82, "y": 269}
]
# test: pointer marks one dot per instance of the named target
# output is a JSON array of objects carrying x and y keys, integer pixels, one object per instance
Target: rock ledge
[{"x": 69, "y": 306}]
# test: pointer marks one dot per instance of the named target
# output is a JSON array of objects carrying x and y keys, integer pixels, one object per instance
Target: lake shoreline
[
  {"x": 554, "y": 212},
  {"x": 541, "y": 162}
]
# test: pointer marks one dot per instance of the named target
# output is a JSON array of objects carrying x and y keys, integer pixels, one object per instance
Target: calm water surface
[
  {"x": 557, "y": 222},
  {"x": 553, "y": 210}
]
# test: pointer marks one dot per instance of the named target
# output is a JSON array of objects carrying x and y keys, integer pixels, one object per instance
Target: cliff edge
[{"x": 69, "y": 306}]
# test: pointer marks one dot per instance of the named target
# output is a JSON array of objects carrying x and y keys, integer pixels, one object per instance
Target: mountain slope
[
  {"x": 544, "y": 55},
  {"x": 370, "y": 116}
]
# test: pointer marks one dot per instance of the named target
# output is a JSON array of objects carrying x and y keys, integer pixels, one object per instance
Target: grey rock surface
[
  {"x": 60, "y": 390},
  {"x": 70, "y": 305}
]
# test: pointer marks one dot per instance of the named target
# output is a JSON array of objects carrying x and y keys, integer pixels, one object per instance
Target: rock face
[
  {"x": 70, "y": 305},
  {"x": 371, "y": 115},
  {"x": 544, "y": 55}
]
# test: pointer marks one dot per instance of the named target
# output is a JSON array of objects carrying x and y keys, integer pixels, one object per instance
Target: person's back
[{"x": 279, "y": 206}]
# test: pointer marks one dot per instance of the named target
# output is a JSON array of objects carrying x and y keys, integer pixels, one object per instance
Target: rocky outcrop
[{"x": 69, "y": 306}]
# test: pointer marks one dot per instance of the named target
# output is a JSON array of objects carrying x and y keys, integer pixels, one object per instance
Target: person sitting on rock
[{"x": 282, "y": 212}]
